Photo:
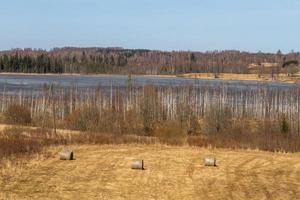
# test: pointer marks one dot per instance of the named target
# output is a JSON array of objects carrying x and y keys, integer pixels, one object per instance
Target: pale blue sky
[{"x": 251, "y": 25}]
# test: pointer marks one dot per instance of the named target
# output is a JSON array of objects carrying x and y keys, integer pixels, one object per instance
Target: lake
[{"x": 14, "y": 83}]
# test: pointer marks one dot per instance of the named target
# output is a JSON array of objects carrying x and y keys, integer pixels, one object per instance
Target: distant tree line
[
  {"x": 138, "y": 61},
  {"x": 27, "y": 64}
]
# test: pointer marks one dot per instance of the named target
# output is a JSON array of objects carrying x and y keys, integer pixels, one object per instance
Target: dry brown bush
[
  {"x": 105, "y": 138},
  {"x": 15, "y": 142},
  {"x": 83, "y": 119},
  {"x": 241, "y": 135},
  {"x": 132, "y": 124},
  {"x": 171, "y": 133},
  {"x": 43, "y": 120},
  {"x": 2, "y": 119},
  {"x": 17, "y": 114}
]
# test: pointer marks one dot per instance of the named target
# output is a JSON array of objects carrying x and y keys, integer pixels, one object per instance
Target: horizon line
[{"x": 147, "y": 49}]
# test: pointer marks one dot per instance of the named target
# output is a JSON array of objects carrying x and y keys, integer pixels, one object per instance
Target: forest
[
  {"x": 140, "y": 61},
  {"x": 262, "y": 118}
]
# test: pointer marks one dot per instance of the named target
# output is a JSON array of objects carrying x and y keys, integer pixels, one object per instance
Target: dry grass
[
  {"x": 170, "y": 133},
  {"x": 16, "y": 142},
  {"x": 103, "y": 172},
  {"x": 4, "y": 127},
  {"x": 245, "y": 77}
]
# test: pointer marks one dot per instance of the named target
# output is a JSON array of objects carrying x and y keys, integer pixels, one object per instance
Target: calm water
[{"x": 15, "y": 83}]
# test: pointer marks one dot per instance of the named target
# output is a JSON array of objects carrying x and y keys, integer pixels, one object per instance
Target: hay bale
[
  {"x": 137, "y": 164},
  {"x": 66, "y": 155},
  {"x": 210, "y": 161}
]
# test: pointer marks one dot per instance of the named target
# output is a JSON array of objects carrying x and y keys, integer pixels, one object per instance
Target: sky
[{"x": 195, "y": 25}]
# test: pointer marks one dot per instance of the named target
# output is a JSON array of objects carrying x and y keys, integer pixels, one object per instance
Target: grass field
[
  {"x": 245, "y": 77},
  {"x": 103, "y": 172}
]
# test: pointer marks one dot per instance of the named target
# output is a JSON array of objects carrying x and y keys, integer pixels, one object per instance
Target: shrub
[
  {"x": 83, "y": 119},
  {"x": 132, "y": 123},
  {"x": 194, "y": 127},
  {"x": 171, "y": 133},
  {"x": 15, "y": 142},
  {"x": 217, "y": 119},
  {"x": 17, "y": 114},
  {"x": 2, "y": 118},
  {"x": 284, "y": 126},
  {"x": 242, "y": 135},
  {"x": 40, "y": 120}
]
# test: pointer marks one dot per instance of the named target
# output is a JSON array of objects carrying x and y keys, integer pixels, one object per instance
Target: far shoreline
[
  {"x": 282, "y": 78},
  {"x": 78, "y": 74}
]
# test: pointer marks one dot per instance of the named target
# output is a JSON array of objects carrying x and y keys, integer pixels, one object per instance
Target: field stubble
[{"x": 103, "y": 172}]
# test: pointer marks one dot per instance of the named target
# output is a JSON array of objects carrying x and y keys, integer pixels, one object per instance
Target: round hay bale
[
  {"x": 137, "y": 164},
  {"x": 66, "y": 155},
  {"x": 210, "y": 161}
]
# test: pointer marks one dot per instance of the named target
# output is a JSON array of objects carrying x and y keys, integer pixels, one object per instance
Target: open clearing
[{"x": 103, "y": 172}]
